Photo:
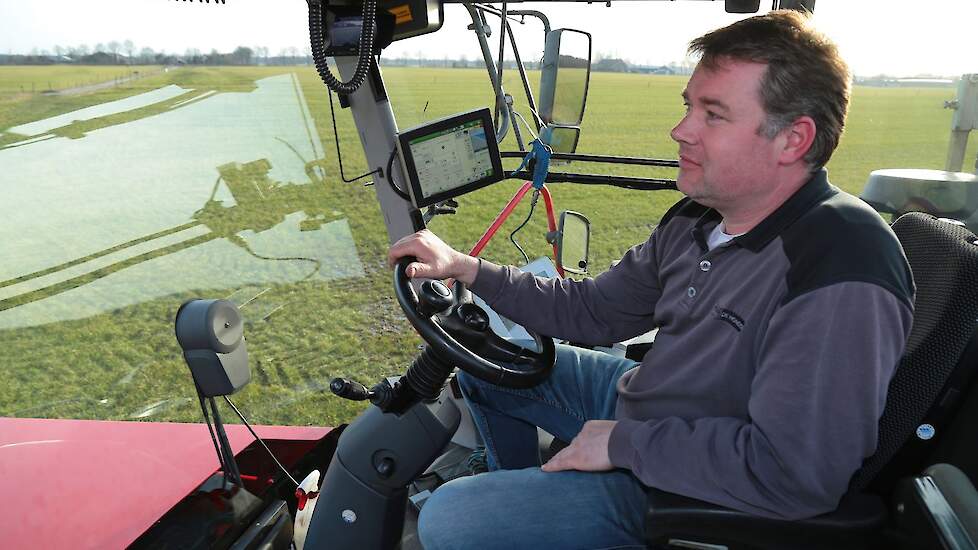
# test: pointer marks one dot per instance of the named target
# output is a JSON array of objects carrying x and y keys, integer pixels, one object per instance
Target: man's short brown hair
[{"x": 804, "y": 76}]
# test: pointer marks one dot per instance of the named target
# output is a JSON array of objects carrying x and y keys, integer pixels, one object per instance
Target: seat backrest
[{"x": 937, "y": 365}]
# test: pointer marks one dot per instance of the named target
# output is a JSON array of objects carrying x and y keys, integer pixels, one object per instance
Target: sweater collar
[{"x": 813, "y": 192}]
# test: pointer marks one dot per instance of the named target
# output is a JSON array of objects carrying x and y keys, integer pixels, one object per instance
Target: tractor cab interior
[
  {"x": 288, "y": 251},
  {"x": 929, "y": 388}
]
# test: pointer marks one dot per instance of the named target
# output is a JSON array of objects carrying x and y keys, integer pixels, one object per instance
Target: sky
[{"x": 897, "y": 37}]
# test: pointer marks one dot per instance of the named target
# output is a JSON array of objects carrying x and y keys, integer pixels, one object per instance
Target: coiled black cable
[{"x": 367, "y": 34}]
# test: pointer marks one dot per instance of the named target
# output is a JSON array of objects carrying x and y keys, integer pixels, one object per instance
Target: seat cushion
[{"x": 674, "y": 517}]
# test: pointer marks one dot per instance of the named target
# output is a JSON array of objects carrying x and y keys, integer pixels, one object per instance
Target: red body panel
[{"x": 97, "y": 484}]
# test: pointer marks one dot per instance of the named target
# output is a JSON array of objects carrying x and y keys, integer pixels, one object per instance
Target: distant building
[
  {"x": 653, "y": 69},
  {"x": 610, "y": 65},
  {"x": 884, "y": 81},
  {"x": 99, "y": 58}
]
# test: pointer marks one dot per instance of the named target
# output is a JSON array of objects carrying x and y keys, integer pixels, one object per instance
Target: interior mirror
[
  {"x": 564, "y": 76},
  {"x": 742, "y": 6},
  {"x": 573, "y": 236},
  {"x": 562, "y": 139},
  {"x": 797, "y": 5},
  {"x": 752, "y": 6}
]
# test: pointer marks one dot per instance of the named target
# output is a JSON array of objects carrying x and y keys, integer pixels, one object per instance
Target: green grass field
[
  {"x": 124, "y": 364},
  {"x": 25, "y": 79}
]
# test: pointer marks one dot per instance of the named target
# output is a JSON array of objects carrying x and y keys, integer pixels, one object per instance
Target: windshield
[{"x": 138, "y": 173}]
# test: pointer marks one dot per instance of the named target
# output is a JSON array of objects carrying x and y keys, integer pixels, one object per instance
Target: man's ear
[{"x": 798, "y": 137}]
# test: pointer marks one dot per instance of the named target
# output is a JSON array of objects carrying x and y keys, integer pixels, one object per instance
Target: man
[{"x": 783, "y": 306}]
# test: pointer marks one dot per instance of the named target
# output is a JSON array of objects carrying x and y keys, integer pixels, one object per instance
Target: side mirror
[
  {"x": 572, "y": 241},
  {"x": 564, "y": 77},
  {"x": 742, "y": 6},
  {"x": 562, "y": 139}
]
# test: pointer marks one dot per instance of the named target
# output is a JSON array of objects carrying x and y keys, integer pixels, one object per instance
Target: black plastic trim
[
  {"x": 945, "y": 520},
  {"x": 607, "y": 159}
]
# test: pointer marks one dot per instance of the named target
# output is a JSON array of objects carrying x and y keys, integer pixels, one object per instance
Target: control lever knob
[
  {"x": 349, "y": 389},
  {"x": 434, "y": 297}
]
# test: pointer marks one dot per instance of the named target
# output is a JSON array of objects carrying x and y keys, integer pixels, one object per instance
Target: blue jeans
[{"x": 517, "y": 505}]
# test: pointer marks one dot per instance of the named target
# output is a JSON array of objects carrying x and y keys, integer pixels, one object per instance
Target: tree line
[{"x": 126, "y": 53}]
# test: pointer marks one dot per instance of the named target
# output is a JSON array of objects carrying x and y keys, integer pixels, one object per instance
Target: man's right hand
[{"x": 435, "y": 259}]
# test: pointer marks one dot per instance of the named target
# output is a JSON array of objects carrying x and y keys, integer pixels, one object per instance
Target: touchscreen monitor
[{"x": 450, "y": 157}]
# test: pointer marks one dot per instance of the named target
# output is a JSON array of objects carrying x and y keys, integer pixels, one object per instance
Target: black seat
[{"x": 931, "y": 385}]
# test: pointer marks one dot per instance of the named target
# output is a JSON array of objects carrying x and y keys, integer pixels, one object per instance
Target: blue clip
[{"x": 541, "y": 152}]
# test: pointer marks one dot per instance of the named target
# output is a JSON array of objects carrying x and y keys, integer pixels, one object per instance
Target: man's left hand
[{"x": 588, "y": 452}]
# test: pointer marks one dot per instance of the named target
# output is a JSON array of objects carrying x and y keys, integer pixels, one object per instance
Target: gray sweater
[{"x": 768, "y": 375}]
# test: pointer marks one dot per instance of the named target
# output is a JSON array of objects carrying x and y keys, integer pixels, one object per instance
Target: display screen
[
  {"x": 446, "y": 159},
  {"x": 450, "y": 157}
]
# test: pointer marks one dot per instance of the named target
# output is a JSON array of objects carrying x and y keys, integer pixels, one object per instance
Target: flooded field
[
  {"x": 227, "y": 202},
  {"x": 122, "y": 210}
]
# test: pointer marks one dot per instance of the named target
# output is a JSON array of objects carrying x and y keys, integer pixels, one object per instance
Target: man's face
[{"x": 724, "y": 163}]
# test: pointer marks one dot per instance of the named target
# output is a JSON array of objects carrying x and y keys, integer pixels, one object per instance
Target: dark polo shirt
[{"x": 769, "y": 371}]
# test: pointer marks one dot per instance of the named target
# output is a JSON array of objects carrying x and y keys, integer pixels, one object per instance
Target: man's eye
[{"x": 713, "y": 116}]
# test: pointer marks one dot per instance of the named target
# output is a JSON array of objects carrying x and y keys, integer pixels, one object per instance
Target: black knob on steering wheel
[
  {"x": 434, "y": 298},
  {"x": 460, "y": 338}
]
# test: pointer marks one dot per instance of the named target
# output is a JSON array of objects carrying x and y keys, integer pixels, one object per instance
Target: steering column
[{"x": 364, "y": 492}]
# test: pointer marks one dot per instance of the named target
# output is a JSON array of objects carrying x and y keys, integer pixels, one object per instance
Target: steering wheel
[{"x": 458, "y": 332}]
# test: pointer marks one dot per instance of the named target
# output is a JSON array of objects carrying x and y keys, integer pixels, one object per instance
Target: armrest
[
  {"x": 674, "y": 517},
  {"x": 960, "y": 494},
  {"x": 938, "y": 509}
]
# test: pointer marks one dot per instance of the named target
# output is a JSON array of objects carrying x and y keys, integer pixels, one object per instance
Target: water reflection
[
  {"x": 101, "y": 110},
  {"x": 191, "y": 198}
]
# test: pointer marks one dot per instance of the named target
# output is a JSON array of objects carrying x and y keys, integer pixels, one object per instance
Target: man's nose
[{"x": 683, "y": 132}]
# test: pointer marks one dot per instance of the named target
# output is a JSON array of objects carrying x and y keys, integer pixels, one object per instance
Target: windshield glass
[
  {"x": 137, "y": 179},
  {"x": 139, "y": 173}
]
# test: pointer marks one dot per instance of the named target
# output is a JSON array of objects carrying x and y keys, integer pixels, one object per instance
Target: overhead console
[
  {"x": 394, "y": 20},
  {"x": 450, "y": 157}
]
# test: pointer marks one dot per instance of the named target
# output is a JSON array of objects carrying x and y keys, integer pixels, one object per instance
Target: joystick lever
[{"x": 350, "y": 389}]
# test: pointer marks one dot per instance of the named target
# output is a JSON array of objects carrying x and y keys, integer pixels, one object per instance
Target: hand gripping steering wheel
[{"x": 458, "y": 332}]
